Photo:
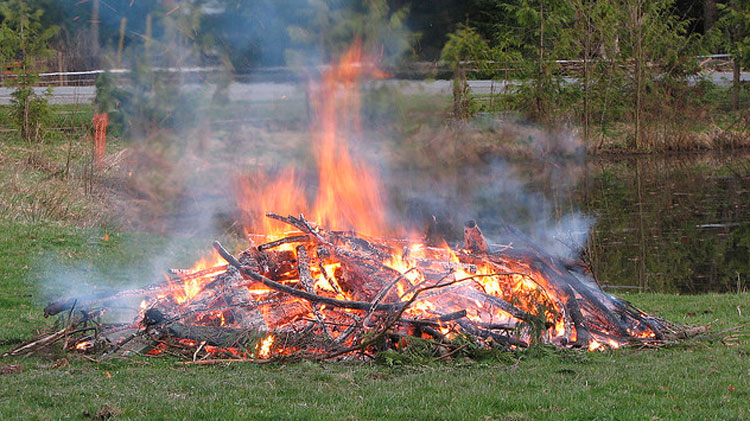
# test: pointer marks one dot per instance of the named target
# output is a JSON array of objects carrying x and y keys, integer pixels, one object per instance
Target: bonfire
[{"x": 333, "y": 279}]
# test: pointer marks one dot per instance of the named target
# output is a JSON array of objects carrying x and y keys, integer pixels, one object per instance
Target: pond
[{"x": 676, "y": 223}]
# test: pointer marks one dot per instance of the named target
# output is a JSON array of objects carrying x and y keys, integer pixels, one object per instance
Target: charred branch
[
  {"x": 473, "y": 238},
  {"x": 285, "y": 240}
]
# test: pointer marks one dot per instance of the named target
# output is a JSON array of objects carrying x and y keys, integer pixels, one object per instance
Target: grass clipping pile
[{"x": 323, "y": 295}]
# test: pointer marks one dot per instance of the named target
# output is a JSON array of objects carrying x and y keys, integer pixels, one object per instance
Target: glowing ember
[
  {"x": 84, "y": 346},
  {"x": 594, "y": 345},
  {"x": 264, "y": 347}
]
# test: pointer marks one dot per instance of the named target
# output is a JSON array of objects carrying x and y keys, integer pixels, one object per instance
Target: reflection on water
[{"x": 676, "y": 223}]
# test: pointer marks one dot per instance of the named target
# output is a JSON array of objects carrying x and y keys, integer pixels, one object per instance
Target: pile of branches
[{"x": 319, "y": 294}]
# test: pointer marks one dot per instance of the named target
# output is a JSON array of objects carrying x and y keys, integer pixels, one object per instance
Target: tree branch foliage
[{"x": 23, "y": 42}]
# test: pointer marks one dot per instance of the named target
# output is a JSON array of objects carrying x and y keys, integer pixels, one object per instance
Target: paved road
[{"x": 267, "y": 91}]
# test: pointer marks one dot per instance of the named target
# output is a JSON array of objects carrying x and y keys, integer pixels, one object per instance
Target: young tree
[
  {"x": 326, "y": 28},
  {"x": 465, "y": 47},
  {"x": 543, "y": 22},
  {"x": 734, "y": 25},
  {"x": 596, "y": 44},
  {"x": 23, "y": 41},
  {"x": 653, "y": 43},
  {"x": 154, "y": 99}
]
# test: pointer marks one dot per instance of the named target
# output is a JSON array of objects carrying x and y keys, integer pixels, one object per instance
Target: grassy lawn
[{"x": 695, "y": 380}]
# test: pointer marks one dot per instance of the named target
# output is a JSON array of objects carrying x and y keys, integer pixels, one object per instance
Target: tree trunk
[
  {"x": 709, "y": 14},
  {"x": 121, "y": 41},
  {"x": 736, "y": 85},
  {"x": 457, "y": 92},
  {"x": 460, "y": 93},
  {"x": 94, "y": 33},
  {"x": 539, "y": 84},
  {"x": 147, "y": 43},
  {"x": 637, "y": 21},
  {"x": 586, "y": 53}
]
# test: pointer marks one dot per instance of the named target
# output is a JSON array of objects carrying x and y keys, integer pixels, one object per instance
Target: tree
[
  {"x": 654, "y": 45},
  {"x": 23, "y": 41},
  {"x": 323, "y": 29},
  {"x": 154, "y": 99},
  {"x": 734, "y": 25},
  {"x": 534, "y": 30},
  {"x": 465, "y": 47},
  {"x": 595, "y": 42}
]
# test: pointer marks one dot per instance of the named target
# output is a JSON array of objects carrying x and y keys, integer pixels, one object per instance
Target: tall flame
[{"x": 349, "y": 192}]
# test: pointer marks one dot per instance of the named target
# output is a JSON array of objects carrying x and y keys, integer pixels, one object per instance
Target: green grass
[
  {"x": 42, "y": 261},
  {"x": 664, "y": 384},
  {"x": 48, "y": 181},
  {"x": 694, "y": 380}
]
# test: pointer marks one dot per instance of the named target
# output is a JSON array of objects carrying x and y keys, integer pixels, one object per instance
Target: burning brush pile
[
  {"x": 321, "y": 294},
  {"x": 321, "y": 289}
]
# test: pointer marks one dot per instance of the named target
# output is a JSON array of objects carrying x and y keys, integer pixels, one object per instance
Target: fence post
[
  {"x": 100, "y": 137},
  {"x": 61, "y": 77}
]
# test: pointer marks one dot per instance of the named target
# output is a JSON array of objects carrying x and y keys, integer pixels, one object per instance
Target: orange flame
[
  {"x": 349, "y": 191},
  {"x": 192, "y": 286},
  {"x": 264, "y": 347},
  {"x": 260, "y": 193}
]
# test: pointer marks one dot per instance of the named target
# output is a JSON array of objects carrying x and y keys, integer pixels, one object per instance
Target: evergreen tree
[
  {"x": 465, "y": 47},
  {"x": 733, "y": 32},
  {"x": 23, "y": 41}
]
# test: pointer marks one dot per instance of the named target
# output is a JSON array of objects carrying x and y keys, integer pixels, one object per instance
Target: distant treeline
[{"x": 252, "y": 33}]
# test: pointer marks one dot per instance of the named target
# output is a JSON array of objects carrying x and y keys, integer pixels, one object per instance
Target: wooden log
[
  {"x": 360, "y": 246},
  {"x": 435, "y": 322},
  {"x": 498, "y": 326},
  {"x": 186, "y": 274},
  {"x": 104, "y": 298},
  {"x": 66, "y": 303},
  {"x": 306, "y": 279},
  {"x": 501, "y": 304},
  {"x": 453, "y": 316},
  {"x": 290, "y": 220},
  {"x": 282, "y": 264},
  {"x": 505, "y": 340},
  {"x": 473, "y": 238},
  {"x": 244, "y": 308},
  {"x": 285, "y": 240},
  {"x": 363, "y": 281},
  {"x": 213, "y": 335}
]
